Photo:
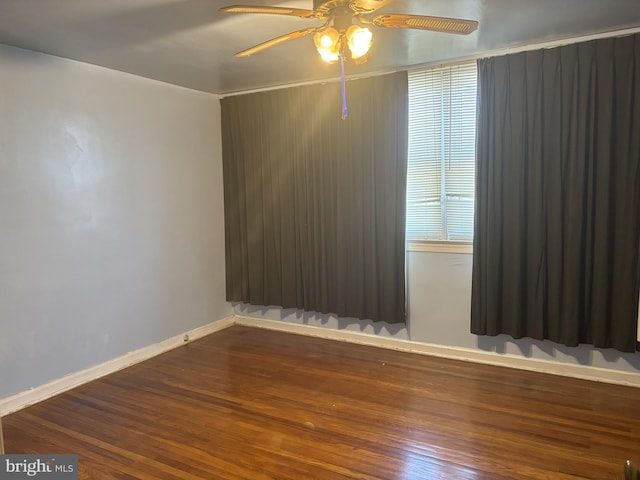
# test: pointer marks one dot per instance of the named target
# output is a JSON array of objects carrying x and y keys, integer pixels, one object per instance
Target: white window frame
[{"x": 444, "y": 79}]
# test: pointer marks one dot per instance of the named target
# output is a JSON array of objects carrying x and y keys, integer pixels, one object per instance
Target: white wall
[{"x": 111, "y": 215}]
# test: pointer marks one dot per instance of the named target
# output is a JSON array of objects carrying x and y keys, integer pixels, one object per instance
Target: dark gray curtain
[
  {"x": 314, "y": 205},
  {"x": 558, "y": 194}
]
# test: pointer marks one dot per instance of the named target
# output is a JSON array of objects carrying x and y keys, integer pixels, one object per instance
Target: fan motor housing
[{"x": 326, "y": 6}]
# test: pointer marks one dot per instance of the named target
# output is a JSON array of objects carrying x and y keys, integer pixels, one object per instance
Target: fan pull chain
[{"x": 344, "y": 86}]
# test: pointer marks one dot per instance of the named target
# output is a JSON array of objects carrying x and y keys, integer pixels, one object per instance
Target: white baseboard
[
  {"x": 585, "y": 372},
  {"x": 42, "y": 392},
  {"x": 29, "y": 397}
]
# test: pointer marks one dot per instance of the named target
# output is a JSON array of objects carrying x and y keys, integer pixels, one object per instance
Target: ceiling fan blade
[
  {"x": 368, "y": 6},
  {"x": 422, "y": 22},
  {"x": 292, "y": 12},
  {"x": 276, "y": 41}
]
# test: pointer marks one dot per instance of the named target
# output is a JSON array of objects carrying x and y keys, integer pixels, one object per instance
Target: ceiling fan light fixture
[
  {"x": 359, "y": 41},
  {"x": 327, "y": 43},
  {"x": 338, "y": 34}
]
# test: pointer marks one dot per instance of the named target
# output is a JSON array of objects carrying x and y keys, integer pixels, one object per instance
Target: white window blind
[{"x": 442, "y": 151}]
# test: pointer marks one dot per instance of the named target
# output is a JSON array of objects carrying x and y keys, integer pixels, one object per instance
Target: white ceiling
[{"x": 188, "y": 43}]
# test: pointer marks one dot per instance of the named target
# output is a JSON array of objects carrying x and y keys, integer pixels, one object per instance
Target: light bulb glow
[
  {"x": 328, "y": 44},
  {"x": 325, "y": 41},
  {"x": 359, "y": 41}
]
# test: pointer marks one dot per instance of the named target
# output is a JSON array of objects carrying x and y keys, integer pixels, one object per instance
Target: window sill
[{"x": 440, "y": 247}]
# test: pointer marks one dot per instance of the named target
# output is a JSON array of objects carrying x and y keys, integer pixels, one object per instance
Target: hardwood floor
[{"x": 254, "y": 404}]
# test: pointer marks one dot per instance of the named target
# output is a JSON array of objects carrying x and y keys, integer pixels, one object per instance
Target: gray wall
[{"x": 111, "y": 215}]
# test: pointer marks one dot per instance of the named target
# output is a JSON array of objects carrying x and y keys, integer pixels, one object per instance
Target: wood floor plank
[{"x": 254, "y": 404}]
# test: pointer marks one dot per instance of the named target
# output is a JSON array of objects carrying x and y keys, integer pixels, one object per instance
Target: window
[{"x": 442, "y": 151}]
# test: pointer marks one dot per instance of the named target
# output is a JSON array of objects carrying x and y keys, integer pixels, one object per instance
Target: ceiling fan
[{"x": 339, "y": 35}]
